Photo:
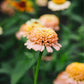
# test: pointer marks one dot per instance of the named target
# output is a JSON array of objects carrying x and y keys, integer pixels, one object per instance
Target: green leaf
[
  {"x": 81, "y": 54},
  {"x": 13, "y": 22},
  {"x": 75, "y": 37},
  {"x": 6, "y": 69},
  {"x": 76, "y": 18},
  {"x": 29, "y": 55},
  {"x": 12, "y": 31},
  {"x": 7, "y": 44},
  {"x": 70, "y": 9},
  {"x": 81, "y": 29},
  {"x": 21, "y": 68}
]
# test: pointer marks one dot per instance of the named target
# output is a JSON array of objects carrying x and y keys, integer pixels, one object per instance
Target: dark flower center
[{"x": 22, "y": 4}]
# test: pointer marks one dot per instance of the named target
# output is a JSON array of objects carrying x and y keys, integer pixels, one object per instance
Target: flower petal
[
  {"x": 37, "y": 47},
  {"x": 59, "y": 44},
  {"x": 49, "y": 49},
  {"x": 64, "y": 79},
  {"x": 42, "y": 48},
  {"x": 56, "y": 47},
  {"x": 57, "y": 7},
  {"x": 29, "y": 44}
]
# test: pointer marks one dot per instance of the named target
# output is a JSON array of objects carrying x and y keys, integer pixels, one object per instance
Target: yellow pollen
[
  {"x": 32, "y": 26},
  {"x": 37, "y": 25},
  {"x": 59, "y": 1},
  {"x": 76, "y": 71},
  {"x": 43, "y": 36}
]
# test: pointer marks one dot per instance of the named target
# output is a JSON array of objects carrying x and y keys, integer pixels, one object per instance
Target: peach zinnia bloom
[
  {"x": 56, "y": 5},
  {"x": 41, "y": 38},
  {"x": 50, "y": 20},
  {"x": 74, "y": 74},
  {"x": 26, "y": 28},
  {"x": 42, "y": 3},
  {"x": 7, "y": 8},
  {"x": 23, "y": 5}
]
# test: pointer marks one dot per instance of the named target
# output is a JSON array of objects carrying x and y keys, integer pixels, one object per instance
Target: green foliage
[
  {"x": 20, "y": 69},
  {"x": 16, "y": 61}
]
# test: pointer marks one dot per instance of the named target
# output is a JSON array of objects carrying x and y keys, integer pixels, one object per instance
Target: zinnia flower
[
  {"x": 56, "y": 5},
  {"x": 23, "y": 5},
  {"x": 41, "y": 38},
  {"x": 50, "y": 20},
  {"x": 26, "y": 28},
  {"x": 74, "y": 74},
  {"x": 42, "y": 3},
  {"x": 7, "y": 8}
]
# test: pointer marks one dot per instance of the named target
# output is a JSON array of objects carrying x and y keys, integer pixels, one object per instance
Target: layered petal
[
  {"x": 49, "y": 49},
  {"x": 63, "y": 78},
  {"x": 56, "y": 7}
]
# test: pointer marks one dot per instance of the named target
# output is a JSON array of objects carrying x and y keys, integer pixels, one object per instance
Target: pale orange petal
[
  {"x": 49, "y": 49},
  {"x": 59, "y": 44},
  {"x": 56, "y": 47},
  {"x": 64, "y": 79}
]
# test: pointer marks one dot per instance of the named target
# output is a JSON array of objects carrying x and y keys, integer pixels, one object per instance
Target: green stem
[
  {"x": 37, "y": 68},
  {"x": 33, "y": 60}
]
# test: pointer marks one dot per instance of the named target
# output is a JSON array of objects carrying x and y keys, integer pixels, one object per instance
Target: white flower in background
[
  {"x": 42, "y": 3},
  {"x": 56, "y": 5},
  {"x": 1, "y": 31},
  {"x": 33, "y": 21}
]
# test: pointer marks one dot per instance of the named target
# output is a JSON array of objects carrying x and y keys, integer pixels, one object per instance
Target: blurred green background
[{"x": 16, "y": 61}]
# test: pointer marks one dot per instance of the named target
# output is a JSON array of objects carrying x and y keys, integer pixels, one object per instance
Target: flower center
[
  {"x": 22, "y": 4},
  {"x": 59, "y": 1},
  {"x": 76, "y": 71}
]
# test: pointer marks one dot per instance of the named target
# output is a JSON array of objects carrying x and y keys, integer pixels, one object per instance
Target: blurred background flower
[
  {"x": 23, "y": 5},
  {"x": 74, "y": 74},
  {"x": 50, "y": 20},
  {"x": 57, "y": 5},
  {"x": 7, "y": 8},
  {"x": 21, "y": 32},
  {"x": 42, "y": 3}
]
